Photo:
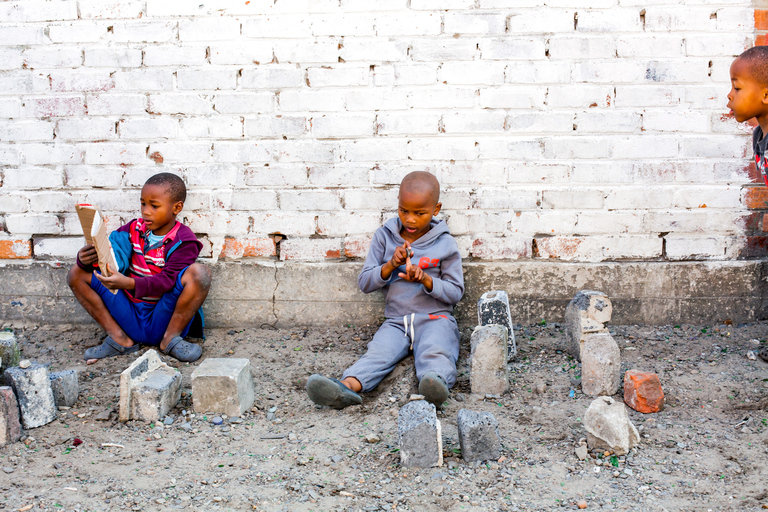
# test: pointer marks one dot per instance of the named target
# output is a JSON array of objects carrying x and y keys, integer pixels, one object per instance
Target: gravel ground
[{"x": 706, "y": 451}]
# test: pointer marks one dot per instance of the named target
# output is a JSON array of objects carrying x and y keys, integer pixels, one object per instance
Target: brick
[
  {"x": 572, "y": 198},
  {"x": 27, "y": 224},
  {"x": 111, "y": 9},
  {"x": 613, "y": 20},
  {"x": 304, "y": 51},
  {"x": 342, "y": 125},
  {"x": 272, "y": 76},
  {"x": 63, "y": 106},
  {"x": 567, "y": 46},
  {"x": 144, "y": 31},
  {"x": 255, "y": 52},
  {"x": 74, "y": 32},
  {"x": 32, "y": 178},
  {"x": 541, "y": 21},
  {"x": 600, "y": 364},
  {"x": 423, "y": 73},
  {"x": 608, "y": 426},
  {"x": 196, "y": 79},
  {"x": 243, "y": 103},
  {"x": 656, "y": 46},
  {"x": 493, "y": 309},
  {"x": 10, "y": 107},
  {"x": 483, "y": 24},
  {"x": 339, "y": 175},
  {"x": 175, "y": 56},
  {"x": 516, "y": 198},
  {"x": 484, "y": 121},
  {"x": 443, "y": 50},
  {"x": 613, "y": 122},
  {"x": 478, "y": 436},
  {"x": 56, "y": 57},
  {"x": 345, "y": 75},
  {"x": 209, "y": 29},
  {"x": 237, "y": 248},
  {"x": 442, "y": 149},
  {"x": 290, "y": 224},
  {"x": 642, "y": 391},
  {"x": 10, "y": 424},
  {"x": 374, "y": 150},
  {"x": 117, "y": 104},
  {"x": 408, "y": 24},
  {"x": 52, "y": 201},
  {"x": 509, "y": 48},
  {"x": 304, "y": 249},
  {"x": 188, "y": 104},
  {"x": 385, "y": 49},
  {"x": 23, "y": 34},
  {"x": 24, "y": 82},
  {"x": 223, "y": 385},
  {"x": 419, "y": 435},
  {"x": 276, "y": 175},
  {"x": 149, "y": 389},
  {"x": 442, "y": 97},
  {"x": 211, "y": 127},
  {"x": 14, "y": 203},
  {"x": 508, "y": 248},
  {"x": 720, "y": 45},
  {"x": 714, "y": 147},
  {"x": 182, "y": 152},
  {"x": 357, "y": 246},
  {"x": 586, "y": 313},
  {"x": 10, "y": 355},
  {"x": 37, "y": 11},
  {"x": 278, "y": 26},
  {"x": 58, "y": 247},
  {"x": 147, "y": 128},
  {"x": 488, "y": 372},
  {"x": 513, "y": 97},
  {"x": 253, "y": 200},
  {"x": 85, "y": 129},
  {"x": 25, "y": 130},
  {"x": 115, "y": 153},
  {"x": 755, "y": 198},
  {"x": 144, "y": 80},
  {"x": 686, "y": 247},
  {"x": 65, "y": 387},
  {"x": 341, "y": 224},
  {"x": 33, "y": 392}
]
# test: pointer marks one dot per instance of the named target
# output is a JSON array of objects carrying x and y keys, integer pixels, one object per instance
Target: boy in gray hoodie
[{"x": 416, "y": 260}]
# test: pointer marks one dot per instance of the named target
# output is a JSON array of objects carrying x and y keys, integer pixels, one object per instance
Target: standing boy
[
  {"x": 163, "y": 287},
  {"x": 416, "y": 260},
  {"x": 748, "y": 99}
]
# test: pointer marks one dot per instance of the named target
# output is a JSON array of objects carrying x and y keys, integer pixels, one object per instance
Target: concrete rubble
[
  {"x": 33, "y": 392},
  {"x": 643, "y": 392},
  {"x": 65, "y": 387},
  {"x": 600, "y": 365},
  {"x": 587, "y": 313},
  {"x": 10, "y": 355},
  {"x": 420, "y": 435},
  {"x": 608, "y": 426},
  {"x": 493, "y": 309},
  {"x": 223, "y": 385},
  {"x": 478, "y": 436},
  {"x": 488, "y": 371},
  {"x": 149, "y": 389},
  {"x": 10, "y": 424}
]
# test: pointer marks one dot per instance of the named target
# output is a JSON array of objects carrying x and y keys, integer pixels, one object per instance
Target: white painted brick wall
[{"x": 597, "y": 128}]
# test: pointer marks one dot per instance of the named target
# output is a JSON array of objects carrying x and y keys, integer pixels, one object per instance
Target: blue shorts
[{"x": 143, "y": 322}]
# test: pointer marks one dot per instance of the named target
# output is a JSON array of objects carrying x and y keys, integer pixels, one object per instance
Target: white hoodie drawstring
[{"x": 405, "y": 324}]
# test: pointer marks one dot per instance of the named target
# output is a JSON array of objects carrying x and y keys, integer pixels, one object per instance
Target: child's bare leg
[
  {"x": 353, "y": 384},
  {"x": 197, "y": 283},
  {"x": 79, "y": 282}
]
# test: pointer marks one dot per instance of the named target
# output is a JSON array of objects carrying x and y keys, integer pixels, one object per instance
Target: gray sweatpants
[{"x": 435, "y": 341}]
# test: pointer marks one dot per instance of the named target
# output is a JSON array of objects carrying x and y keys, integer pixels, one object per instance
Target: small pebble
[
  {"x": 26, "y": 363},
  {"x": 217, "y": 420}
]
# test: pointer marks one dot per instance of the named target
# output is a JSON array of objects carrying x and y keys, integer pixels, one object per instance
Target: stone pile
[
  {"x": 493, "y": 309},
  {"x": 223, "y": 385},
  {"x": 149, "y": 389},
  {"x": 587, "y": 313}
]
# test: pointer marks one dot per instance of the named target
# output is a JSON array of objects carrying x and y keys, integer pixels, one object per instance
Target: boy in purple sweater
[
  {"x": 162, "y": 289},
  {"x": 416, "y": 261}
]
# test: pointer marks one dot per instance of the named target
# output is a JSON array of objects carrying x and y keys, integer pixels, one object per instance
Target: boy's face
[
  {"x": 416, "y": 209},
  {"x": 747, "y": 98},
  {"x": 158, "y": 209}
]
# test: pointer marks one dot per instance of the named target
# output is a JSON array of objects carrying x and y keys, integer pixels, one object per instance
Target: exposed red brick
[
  {"x": 761, "y": 19},
  {"x": 756, "y": 198},
  {"x": 765, "y": 222},
  {"x": 333, "y": 254},
  {"x": 642, "y": 391},
  {"x": 356, "y": 247},
  {"x": 15, "y": 249},
  {"x": 753, "y": 173},
  {"x": 760, "y": 40},
  {"x": 235, "y": 248},
  {"x": 557, "y": 248},
  {"x": 752, "y": 222},
  {"x": 157, "y": 157},
  {"x": 756, "y": 247}
]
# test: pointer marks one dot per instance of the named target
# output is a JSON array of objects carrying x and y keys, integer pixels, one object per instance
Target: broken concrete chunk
[
  {"x": 149, "y": 389},
  {"x": 488, "y": 372},
  {"x": 9, "y": 350},
  {"x": 420, "y": 436},
  {"x": 600, "y": 365},
  {"x": 10, "y": 425},
  {"x": 493, "y": 309},
  {"x": 33, "y": 392},
  {"x": 608, "y": 426},
  {"x": 223, "y": 385},
  {"x": 642, "y": 391},
  {"x": 65, "y": 387},
  {"x": 478, "y": 436},
  {"x": 585, "y": 314}
]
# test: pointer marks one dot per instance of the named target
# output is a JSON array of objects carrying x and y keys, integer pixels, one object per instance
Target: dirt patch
[{"x": 706, "y": 450}]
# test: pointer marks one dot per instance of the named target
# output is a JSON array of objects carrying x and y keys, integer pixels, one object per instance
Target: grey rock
[
  {"x": 10, "y": 423},
  {"x": 104, "y": 415},
  {"x": 478, "y": 436},
  {"x": 586, "y": 313},
  {"x": 488, "y": 371},
  {"x": 224, "y": 385},
  {"x": 187, "y": 427},
  {"x": 420, "y": 438},
  {"x": 493, "y": 309},
  {"x": 65, "y": 387},
  {"x": 10, "y": 354},
  {"x": 600, "y": 365},
  {"x": 168, "y": 420},
  {"x": 33, "y": 392},
  {"x": 608, "y": 426},
  {"x": 581, "y": 452},
  {"x": 149, "y": 389}
]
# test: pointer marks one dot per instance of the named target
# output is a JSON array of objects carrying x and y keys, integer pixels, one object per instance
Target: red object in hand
[{"x": 642, "y": 391}]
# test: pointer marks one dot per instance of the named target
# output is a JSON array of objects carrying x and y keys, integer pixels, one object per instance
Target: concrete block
[
  {"x": 65, "y": 387},
  {"x": 10, "y": 426},
  {"x": 478, "y": 436},
  {"x": 488, "y": 372},
  {"x": 33, "y": 391},
  {"x": 9, "y": 350},
  {"x": 420, "y": 435},
  {"x": 600, "y": 365},
  {"x": 608, "y": 426},
  {"x": 586, "y": 313},
  {"x": 493, "y": 309},
  {"x": 223, "y": 385},
  {"x": 642, "y": 391},
  {"x": 149, "y": 389}
]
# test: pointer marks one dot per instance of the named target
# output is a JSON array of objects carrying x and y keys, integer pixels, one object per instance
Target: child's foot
[
  {"x": 183, "y": 350},
  {"x": 331, "y": 392},
  {"x": 109, "y": 348},
  {"x": 434, "y": 388}
]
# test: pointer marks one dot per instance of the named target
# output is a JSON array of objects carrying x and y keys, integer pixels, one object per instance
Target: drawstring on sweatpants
[{"x": 405, "y": 324}]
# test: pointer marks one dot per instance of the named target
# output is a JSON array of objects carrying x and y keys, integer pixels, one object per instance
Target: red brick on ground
[{"x": 642, "y": 391}]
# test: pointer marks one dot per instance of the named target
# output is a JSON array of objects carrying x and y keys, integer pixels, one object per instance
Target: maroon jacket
[{"x": 181, "y": 252}]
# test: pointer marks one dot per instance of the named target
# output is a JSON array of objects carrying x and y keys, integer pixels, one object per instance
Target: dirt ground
[{"x": 706, "y": 451}]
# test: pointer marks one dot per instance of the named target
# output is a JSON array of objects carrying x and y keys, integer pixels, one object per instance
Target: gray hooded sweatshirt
[{"x": 435, "y": 252}]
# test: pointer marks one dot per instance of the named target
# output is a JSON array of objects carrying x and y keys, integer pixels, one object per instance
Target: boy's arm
[
  {"x": 158, "y": 284},
  {"x": 370, "y": 278},
  {"x": 449, "y": 286}
]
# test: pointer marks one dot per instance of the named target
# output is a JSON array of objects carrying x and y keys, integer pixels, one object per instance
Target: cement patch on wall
[{"x": 290, "y": 294}]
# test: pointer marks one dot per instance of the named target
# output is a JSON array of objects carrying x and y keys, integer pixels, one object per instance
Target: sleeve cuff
[{"x": 377, "y": 279}]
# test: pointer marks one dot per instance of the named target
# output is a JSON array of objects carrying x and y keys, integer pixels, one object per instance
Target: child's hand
[
  {"x": 116, "y": 281},
  {"x": 87, "y": 255},
  {"x": 415, "y": 274},
  {"x": 402, "y": 253}
]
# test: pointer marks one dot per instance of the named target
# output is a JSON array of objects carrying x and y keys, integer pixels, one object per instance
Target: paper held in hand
[{"x": 95, "y": 232}]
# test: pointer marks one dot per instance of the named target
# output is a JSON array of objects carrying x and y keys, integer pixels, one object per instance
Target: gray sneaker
[
  {"x": 331, "y": 392},
  {"x": 434, "y": 388}
]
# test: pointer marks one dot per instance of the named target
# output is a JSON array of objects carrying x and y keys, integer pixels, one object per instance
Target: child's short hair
[
  {"x": 176, "y": 188},
  {"x": 757, "y": 58}
]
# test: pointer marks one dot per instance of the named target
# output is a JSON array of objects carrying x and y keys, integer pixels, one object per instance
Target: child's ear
[
  {"x": 177, "y": 207},
  {"x": 764, "y": 94},
  {"x": 438, "y": 206}
]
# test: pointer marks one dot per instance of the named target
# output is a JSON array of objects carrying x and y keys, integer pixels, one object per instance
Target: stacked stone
[{"x": 493, "y": 309}]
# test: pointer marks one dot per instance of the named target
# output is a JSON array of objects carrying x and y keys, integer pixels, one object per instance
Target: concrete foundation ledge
[{"x": 289, "y": 294}]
